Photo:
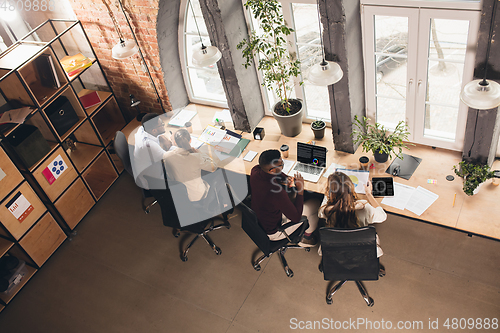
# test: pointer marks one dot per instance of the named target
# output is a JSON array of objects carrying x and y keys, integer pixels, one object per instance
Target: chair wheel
[
  {"x": 320, "y": 267},
  {"x": 329, "y": 300},
  {"x": 289, "y": 273},
  {"x": 176, "y": 232},
  {"x": 217, "y": 251},
  {"x": 370, "y": 302},
  {"x": 184, "y": 258},
  {"x": 257, "y": 268},
  {"x": 228, "y": 226},
  {"x": 146, "y": 211},
  {"x": 381, "y": 273},
  {"x": 308, "y": 249}
]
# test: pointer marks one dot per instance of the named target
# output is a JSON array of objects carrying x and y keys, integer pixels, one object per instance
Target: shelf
[
  {"x": 43, "y": 239},
  {"x": 5, "y": 246},
  {"x": 11, "y": 223},
  {"x": 59, "y": 184},
  {"x": 12, "y": 176},
  {"x": 100, "y": 175},
  {"x": 18, "y": 55},
  {"x": 74, "y": 77},
  {"x": 108, "y": 120},
  {"x": 67, "y": 206},
  {"x": 83, "y": 155},
  {"x": 103, "y": 95},
  {"x": 65, "y": 113},
  {"x": 26, "y": 278},
  {"x": 13, "y": 89},
  {"x": 44, "y": 76},
  {"x": 116, "y": 160}
]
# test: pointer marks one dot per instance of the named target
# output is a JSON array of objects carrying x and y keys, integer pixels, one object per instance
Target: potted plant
[
  {"x": 269, "y": 47},
  {"x": 473, "y": 175},
  {"x": 318, "y": 128},
  {"x": 379, "y": 140}
]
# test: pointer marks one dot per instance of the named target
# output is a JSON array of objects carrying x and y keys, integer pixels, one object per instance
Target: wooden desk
[{"x": 479, "y": 214}]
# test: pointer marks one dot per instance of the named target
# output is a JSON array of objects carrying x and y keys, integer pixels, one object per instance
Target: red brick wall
[{"x": 126, "y": 76}]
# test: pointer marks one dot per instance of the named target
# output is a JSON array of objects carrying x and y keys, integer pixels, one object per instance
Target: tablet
[{"x": 382, "y": 186}]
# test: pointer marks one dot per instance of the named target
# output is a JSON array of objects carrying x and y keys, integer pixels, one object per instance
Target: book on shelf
[
  {"x": 91, "y": 99},
  {"x": 16, "y": 116},
  {"x": 46, "y": 71},
  {"x": 75, "y": 64}
]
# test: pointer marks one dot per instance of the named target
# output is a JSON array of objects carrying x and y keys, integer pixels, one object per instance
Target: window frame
[{"x": 183, "y": 56}]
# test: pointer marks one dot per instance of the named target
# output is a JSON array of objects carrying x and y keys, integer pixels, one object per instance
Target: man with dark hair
[
  {"x": 150, "y": 148},
  {"x": 272, "y": 204}
]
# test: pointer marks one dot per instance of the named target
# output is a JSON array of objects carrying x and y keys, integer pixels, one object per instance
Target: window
[
  {"x": 416, "y": 62},
  {"x": 203, "y": 84},
  {"x": 302, "y": 16}
]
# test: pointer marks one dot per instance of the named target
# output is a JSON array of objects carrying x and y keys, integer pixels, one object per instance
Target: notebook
[{"x": 311, "y": 161}]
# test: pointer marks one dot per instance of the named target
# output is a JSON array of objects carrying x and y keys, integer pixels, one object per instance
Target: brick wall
[{"x": 126, "y": 76}]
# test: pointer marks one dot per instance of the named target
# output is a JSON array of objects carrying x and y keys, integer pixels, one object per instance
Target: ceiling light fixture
[
  {"x": 326, "y": 72},
  {"x": 207, "y": 55},
  {"x": 483, "y": 94}
]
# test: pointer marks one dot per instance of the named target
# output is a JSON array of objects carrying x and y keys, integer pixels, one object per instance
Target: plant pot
[
  {"x": 290, "y": 125},
  {"x": 319, "y": 133},
  {"x": 380, "y": 157}
]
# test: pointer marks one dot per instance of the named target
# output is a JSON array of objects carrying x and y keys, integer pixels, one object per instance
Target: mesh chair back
[
  {"x": 349, "y": 254},
  {"x": 121, "y": 147},
  {"x": 250, "y": 225}
]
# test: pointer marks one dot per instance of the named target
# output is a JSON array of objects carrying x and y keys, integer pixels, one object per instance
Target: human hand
[
  {"x": 368, "y": 188},
  {"x": 165, "y": 143},
  {"x": 290, "y": 181},
  {"x": 299, "y": 182}
]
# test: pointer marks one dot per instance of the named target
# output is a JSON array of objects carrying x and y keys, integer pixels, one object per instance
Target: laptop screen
[{"x": 311, "y": 154}]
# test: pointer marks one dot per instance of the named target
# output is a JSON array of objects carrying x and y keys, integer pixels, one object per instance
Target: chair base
[
  {"x": 281, "y": 253},
  {"x": 147, "y": 208},
  {"x": 369, "y": 301},
  {"x": 205, "y": 236}
]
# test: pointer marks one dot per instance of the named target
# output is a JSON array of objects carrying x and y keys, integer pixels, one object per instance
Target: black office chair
[
  {"x": 191, "y": 211},
  {"x": 122, "y": 150},
  {"x": 251, "y": 226},
  {"x": 349, "y": 255}
]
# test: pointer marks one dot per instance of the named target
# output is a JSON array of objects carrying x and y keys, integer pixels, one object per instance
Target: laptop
[{"x": 311, "y": 161}]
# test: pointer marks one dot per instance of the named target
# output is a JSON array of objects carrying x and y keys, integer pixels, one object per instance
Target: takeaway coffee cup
[{"x": 284, "y": 150}]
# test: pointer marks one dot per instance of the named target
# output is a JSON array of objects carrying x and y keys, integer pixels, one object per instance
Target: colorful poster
[
  {"x": 20, "y": 207},
  {"x": 54, "y": 169}
]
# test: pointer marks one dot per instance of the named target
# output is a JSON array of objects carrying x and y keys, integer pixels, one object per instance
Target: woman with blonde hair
[{"x": 341, "y": 207}]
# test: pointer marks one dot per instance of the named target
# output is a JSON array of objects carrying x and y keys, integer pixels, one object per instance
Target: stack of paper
[
  {"x": 182, "y": 117},
  {"x": 416, "y": 200},
  {"x": 223, "y": 115},
  {"x": 73, "y": 65}
]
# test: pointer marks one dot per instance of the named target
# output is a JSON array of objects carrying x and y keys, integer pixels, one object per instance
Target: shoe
[{"x": 308, "y": 241}]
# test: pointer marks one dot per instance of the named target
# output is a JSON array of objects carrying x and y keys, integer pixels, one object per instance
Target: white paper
[
  {"x": 223, "y": 115},
  {"x": 287, "y": 166},
  {"x": 212, "y": 135},
  {"x": 250, "y": 156},
  {"x": 331, "y": 169},
  {"x": 359, "y": 179},
  {"x": 402, "y": 194},
  {"x": 182, "y": 117},
  {"x": 421, "y": 200},
  {"x": 15, "y": 116},
  {"x": 195, "y": 143},
  {"x": 2, "y": 174},
  {"x": 227, "y": 143}
]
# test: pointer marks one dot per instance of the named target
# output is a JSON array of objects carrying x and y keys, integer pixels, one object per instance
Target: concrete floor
[{"x": 122, "y": 273}]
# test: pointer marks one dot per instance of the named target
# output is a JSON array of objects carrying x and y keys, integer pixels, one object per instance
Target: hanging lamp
[
  {"x": 124, "y": 49},
  {"x": 326, "y": 72},
  {"x": 207, "y": 55},
  {"x": 483, "y": 94}
]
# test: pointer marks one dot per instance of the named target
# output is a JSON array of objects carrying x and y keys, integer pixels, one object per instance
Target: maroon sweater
[{"x": 270, "y": 200}]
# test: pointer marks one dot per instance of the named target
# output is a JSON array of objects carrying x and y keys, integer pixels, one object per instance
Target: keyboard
[{"x": 311, "y": 169}]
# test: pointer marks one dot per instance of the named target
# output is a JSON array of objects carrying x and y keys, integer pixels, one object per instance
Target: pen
[{"x": 454, "y": 197}]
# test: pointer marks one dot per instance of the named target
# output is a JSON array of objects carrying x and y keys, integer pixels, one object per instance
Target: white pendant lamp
[
  {"x": 326, "y": 72},
  {"x": 124, "y": 49},
  {"x": 207, "y": 55},
  {"x": 483, "y": 94}
]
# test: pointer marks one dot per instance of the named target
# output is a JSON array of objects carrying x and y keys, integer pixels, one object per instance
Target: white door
[{"x": 416, "y": 62}]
